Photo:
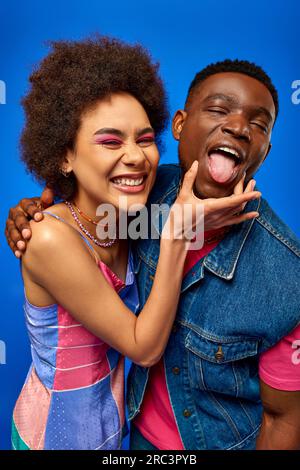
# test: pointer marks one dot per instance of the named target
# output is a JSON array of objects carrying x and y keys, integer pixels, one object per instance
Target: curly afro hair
[
  {"x": 69, "y": 81},
  {"x": 240, "y": 66}
]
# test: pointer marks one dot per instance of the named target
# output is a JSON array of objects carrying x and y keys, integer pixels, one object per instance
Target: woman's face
[{"x": 115, "y": 153}]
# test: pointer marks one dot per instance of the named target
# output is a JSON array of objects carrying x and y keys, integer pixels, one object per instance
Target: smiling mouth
[
  {"x": 224, "y": 163},
  {"x": 129, "y": 183}
]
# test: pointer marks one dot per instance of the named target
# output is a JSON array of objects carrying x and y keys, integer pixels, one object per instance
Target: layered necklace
[
  {"x": 84, "y": 229},
  {"x": 211, "y": 236}
]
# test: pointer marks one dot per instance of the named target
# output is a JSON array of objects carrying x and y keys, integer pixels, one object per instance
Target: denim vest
[{"x": 236, "y": 303}]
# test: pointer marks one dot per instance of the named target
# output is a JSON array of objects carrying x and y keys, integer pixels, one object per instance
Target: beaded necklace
[{"x": 85, "y": 230}]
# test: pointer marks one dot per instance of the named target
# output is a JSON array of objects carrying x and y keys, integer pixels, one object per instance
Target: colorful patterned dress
[{"x": 73, "y": 396}]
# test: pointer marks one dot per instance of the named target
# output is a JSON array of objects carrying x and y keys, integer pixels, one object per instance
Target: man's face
[{"x": 226, "y": 127}]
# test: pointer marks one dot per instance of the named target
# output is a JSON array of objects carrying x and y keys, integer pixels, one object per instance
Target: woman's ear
[
  {"x": 178, "y": 123},
  {"x": 66, "y": 165}
]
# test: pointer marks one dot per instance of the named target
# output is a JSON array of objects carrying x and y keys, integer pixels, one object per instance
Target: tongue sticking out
[{"x": 221, "y": 167}]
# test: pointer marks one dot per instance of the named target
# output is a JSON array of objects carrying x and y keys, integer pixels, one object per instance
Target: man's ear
[{"x": 178, "y": 123}]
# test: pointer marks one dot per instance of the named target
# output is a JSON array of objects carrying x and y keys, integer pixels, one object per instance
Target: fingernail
[
  {"x": 20, "y": 245},
  {"x": 37, "y": 216},
  {"x": 26, "y": 233},
  {"x": 18, "y": 254}
]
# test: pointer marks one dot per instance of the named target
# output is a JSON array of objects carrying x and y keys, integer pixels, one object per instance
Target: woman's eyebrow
[
  {"x": 110, "y": 130},
  {"x": 146, "y": 130}
]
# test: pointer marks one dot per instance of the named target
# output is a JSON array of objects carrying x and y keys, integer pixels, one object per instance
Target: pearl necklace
[{"x": 85, "y": 230}]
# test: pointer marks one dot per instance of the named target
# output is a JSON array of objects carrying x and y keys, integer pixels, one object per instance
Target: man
[{"x": 227, "y": 379}]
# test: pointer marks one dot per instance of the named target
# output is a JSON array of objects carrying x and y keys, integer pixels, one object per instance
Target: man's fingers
[
  {"x": 34, "y": 211},
  {"x": 12, "y": 245},
  {"x": 22, "y": 224},
  {"x": 47, "y": 197},
  {"x": 189, "y": 178},
  {"x": 32, "y": 208},
  {"x": 9, "y": 240},
  {"x": 25, "y": 202},
  {"x": 17, "y": 225},
  {"x": 13, "y": 234},
  {"x": 239, "y": 187},
  {"x": 21, "y": 245}
]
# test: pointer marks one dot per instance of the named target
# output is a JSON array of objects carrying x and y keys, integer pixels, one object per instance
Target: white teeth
[
  {"x": 128, "y": 181},
  {"x": 227, "y": 149}
]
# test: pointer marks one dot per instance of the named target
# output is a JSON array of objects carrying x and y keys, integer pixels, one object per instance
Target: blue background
[{"x": 183, "y": 36}]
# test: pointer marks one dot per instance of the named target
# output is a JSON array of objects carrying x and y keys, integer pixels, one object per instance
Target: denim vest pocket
[{"x": 224, "y": 366}]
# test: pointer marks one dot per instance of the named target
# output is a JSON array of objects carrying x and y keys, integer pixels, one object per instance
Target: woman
[{"x": 94, "y": 115}]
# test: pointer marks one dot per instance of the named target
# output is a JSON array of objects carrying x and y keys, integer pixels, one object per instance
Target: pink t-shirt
[{"x": 279, "y": 367}]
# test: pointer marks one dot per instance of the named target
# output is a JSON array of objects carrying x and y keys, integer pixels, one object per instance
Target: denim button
[
  {"x": 187, "y": 413},
  {"x": 219, "y": 354},
  {"x": 176, "y": 370}
]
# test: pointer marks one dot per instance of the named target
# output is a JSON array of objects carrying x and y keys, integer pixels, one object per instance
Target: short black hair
[
  {"x": 69, "y": 81},
  {"x": 239, "y": 66}
]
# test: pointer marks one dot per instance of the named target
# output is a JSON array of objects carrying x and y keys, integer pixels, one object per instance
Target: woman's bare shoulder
[{"x": 50, "y": 230}]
